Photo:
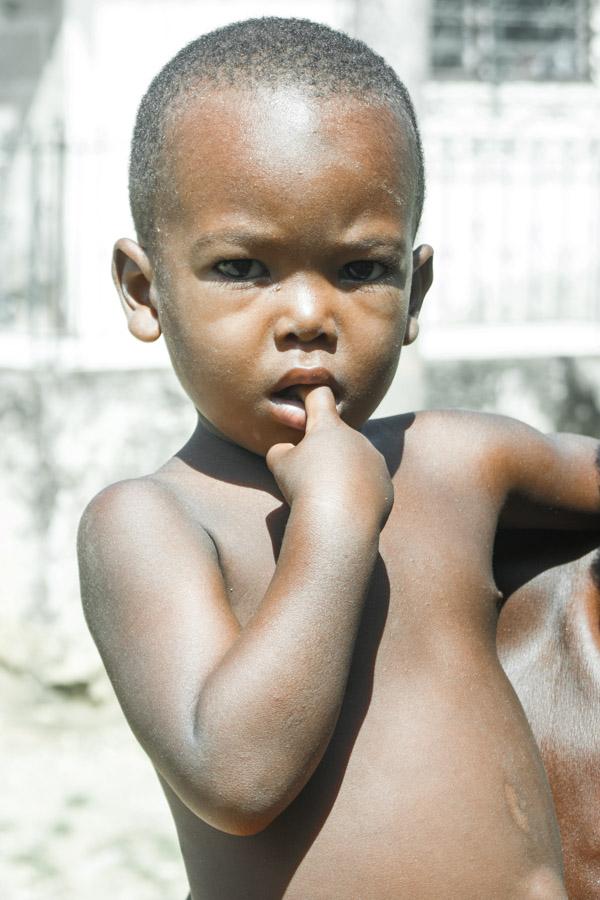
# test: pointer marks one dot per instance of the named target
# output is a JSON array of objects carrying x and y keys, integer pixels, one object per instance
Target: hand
[{"x": 333, "y": 465}]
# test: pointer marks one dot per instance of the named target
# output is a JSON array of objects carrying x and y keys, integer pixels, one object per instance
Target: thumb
[
  {"x": 319, "y": 404},
  {"x": 275, "y": 454}
]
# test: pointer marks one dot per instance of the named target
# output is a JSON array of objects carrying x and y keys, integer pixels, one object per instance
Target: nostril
[
  {"x": 309, "y": 341},
  {"x": 307, "y": 333},
  {"x": 297, "y": 327}
]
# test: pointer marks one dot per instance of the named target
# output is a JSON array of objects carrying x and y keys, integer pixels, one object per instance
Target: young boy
[{"x": 298, "y": 611}]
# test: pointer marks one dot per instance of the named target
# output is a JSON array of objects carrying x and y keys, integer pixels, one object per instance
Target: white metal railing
[
  {"x": 500, "y": 40},
  {"x": 515, "y": 220}
]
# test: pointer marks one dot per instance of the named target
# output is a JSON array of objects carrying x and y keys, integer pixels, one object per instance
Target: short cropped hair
[{"x": 266, "y": 51}]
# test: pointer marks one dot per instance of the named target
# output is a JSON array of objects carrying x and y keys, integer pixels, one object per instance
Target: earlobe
[
  {"x": 421, "y": 282},
  {"x": 412, "y": 330},
  {"x": 133, "y": 277}
]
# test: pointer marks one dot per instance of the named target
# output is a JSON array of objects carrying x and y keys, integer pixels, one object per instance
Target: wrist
[{"x": 338, "y": 514}]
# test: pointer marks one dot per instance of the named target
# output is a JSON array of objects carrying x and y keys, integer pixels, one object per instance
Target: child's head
[{"x": 276, "y": 185}]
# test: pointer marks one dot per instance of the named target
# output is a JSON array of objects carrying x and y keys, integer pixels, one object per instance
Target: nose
[{"x": 306, "y": 314}]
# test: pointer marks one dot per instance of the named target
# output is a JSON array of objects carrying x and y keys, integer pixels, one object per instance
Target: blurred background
[{"x": 509, "y": 103}]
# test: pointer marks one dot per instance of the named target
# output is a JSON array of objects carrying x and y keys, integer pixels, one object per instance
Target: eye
[
  {"x": 363, "y": 270},
  {"x": 241, "y": 269}
]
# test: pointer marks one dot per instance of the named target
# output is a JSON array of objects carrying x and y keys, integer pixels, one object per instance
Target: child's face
[{"x": 285, "y": 258}]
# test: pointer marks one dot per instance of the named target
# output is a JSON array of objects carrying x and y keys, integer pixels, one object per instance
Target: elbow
[
  {"x": 242, "y": 810},
  {"x": 239, "y": 824},
  {"x": 237, "y": 819},
  {"x": 247, "y": 810},
  {"x": 238, "y": 788}
]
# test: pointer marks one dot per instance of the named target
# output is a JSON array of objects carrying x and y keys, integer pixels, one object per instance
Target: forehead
[{"x": 272, "y": 150}]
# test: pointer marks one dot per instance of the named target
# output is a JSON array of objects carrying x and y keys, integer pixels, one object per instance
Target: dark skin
[
  {"x": 549, "y": 645},
  {"x": 298, "y": 611}
]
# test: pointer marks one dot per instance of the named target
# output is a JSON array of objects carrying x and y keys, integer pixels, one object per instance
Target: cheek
[
  {"x": 206, "y": 340},
  {"x": 214, "y": 342},
  {"x": 379, "y": 324},
  {"x": 380, "y": 368},
  {"x": 375, "y": 348}
]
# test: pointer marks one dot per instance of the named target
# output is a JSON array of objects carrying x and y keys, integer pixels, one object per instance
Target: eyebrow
[
  {"x": 383, "y": 243},
  {"x": 231, "y": 236},
  {"x": 387, "y": 244}
]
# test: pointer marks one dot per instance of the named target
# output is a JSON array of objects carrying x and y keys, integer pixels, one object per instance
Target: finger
[
  {"x": 275, "y": 454},
  {"x": 319, "y": 404}
]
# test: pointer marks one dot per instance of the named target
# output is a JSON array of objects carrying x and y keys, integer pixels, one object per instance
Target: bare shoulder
[
  {"x": 128, "y": 498},
  {"x": 122, "y": 502},
  {"x": 451, "y": 437},
  {"x": 547, "y": 480},
  {"x": 133, "y": 529},
  {"x": 143, "y": 505},
  {"x": 131, "y": 510},
  {"x": 480, "y": 431},
  {"x": 554, "y": 472},
  {"x": 502, "y": 440}
]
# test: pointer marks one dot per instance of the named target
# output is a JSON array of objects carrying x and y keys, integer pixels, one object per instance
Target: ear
[
  {"x": 134, "y": 279},
  {"x": 421, "y": 282}
]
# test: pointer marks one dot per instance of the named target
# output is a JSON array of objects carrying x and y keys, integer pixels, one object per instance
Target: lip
[
  {"x": 315, "y": 375},
  {"x": 290, "y": 411}
]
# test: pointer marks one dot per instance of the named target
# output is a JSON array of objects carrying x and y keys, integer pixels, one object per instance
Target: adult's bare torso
[
  {"x": 549, "y": 645},
  {"x": 432, "y": 784}
]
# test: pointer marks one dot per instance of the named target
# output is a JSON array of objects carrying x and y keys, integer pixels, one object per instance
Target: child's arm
[
  {"x": 550, "y": 481},
  {"x": 237, "y": 720}
]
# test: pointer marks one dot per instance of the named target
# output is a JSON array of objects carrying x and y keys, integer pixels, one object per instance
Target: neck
[{"x": 215, "y": 455}]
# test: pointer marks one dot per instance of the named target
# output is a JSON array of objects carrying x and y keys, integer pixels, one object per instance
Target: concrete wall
[
  {"x": 68, "y": 434},
  {"x": 550, "y": 393}
]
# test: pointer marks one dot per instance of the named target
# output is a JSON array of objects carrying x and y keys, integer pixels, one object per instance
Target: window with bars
[{"x": 511, "y": 40}]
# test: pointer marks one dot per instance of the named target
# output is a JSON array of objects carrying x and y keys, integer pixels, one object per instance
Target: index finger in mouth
[{"x": 319, "y": 403}]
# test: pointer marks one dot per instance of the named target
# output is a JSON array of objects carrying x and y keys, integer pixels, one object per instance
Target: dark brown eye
[
  {"x": 241, "y": 269},
  {"x": 363, "y": 270}
]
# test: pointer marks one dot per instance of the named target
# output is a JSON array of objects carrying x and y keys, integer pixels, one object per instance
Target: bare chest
[
  {"x": 424, "y": 680},
  {"x": 433, "y": 576}
]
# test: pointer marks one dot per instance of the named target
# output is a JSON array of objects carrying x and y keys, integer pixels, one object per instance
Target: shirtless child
[{"x": 298, "y": 611}]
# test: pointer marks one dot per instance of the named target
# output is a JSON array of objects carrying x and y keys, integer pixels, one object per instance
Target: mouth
[{"x": 290, "y": 392}]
